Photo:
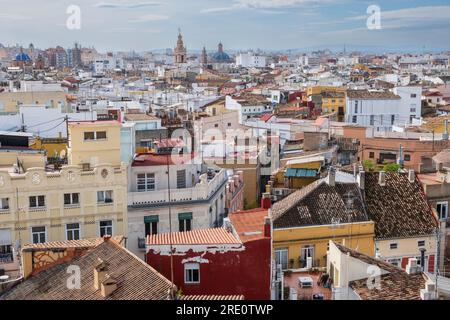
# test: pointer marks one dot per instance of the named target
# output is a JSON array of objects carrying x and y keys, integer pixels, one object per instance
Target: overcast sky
[{"x": 239, "y": 24}]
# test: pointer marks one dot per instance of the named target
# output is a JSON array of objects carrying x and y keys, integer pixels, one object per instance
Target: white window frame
[
  {"x": 39, "y": 233},
  {"x": 100, "y": 227},
  {"x": 71, "y": 204},
  {"x": 191, "y": 266},
  {"x": 442, "y": 203},
  {"x": 147, "y": 181},
  {"x": 37, "y": 201},
  {"x": 4, "y": 203},
  {"x": 280, "y": 252},
  {"x": 95, "y": 136},
  {"x": 103, "y": 192},
  {"x": 72, "y": 231}
]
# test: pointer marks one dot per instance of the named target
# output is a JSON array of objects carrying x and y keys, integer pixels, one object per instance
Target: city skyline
[{"x": 239, "y": 25}]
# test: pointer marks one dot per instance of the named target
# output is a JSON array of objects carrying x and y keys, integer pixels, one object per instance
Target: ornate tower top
[
  {"x": 180, "y": 49},
  {"x": 204, "y": 57}
]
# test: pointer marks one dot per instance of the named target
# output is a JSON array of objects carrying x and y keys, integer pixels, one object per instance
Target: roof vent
[
  {"x": 108, "y": 286},
  {"x": 412, "y": 267},
  {"x": 382, "y": 178},
  {"x": 411, "y": 176}
]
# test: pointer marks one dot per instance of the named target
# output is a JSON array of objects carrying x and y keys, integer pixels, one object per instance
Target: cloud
[
  {"x": 409, "y": 17},
  {"x": 108, "y": 5},
  {"x": 264, "y": 6},
  {"x": 151, "y": 17}
]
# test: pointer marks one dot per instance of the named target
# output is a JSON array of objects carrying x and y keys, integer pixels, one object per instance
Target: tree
[
  {"x": 368, "y": 165},
  {"x": 391, "y": 167}
]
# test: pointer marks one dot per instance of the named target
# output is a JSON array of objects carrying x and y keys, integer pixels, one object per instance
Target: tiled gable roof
[
  {"x": 395, "y": 285},
  {"x": 400, "y": 208},
  {"x": 320, "y": 204},
  {"x": 136, "y": 280},
  {"x": 199, "y": 236}
]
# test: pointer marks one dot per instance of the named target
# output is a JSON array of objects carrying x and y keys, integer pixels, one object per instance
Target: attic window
[
  {"x": 421, "y": 243},
  {"x": 393, "y": 245}
]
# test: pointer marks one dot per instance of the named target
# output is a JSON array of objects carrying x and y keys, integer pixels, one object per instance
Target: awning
[
  {"x": 185, "y": 216},
  {"x": 154, "y": 218},
  {"x": 300, "y": 173},
  {"x": 5, "y": 237}
]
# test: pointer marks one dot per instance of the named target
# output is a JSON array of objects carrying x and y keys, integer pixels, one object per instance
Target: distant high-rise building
[
  {"x": 76, "y": 55},
  {"x": 204, "y": 57},
  {"x": 180, "y": 50}
]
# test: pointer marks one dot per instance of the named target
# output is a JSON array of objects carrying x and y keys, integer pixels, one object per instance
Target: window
[
  {"x": 354, "y": 119},
  {"x": 407, "y": 157},
  {"x": 412, "y": 110},
  {"x": 101, "y": 135},
  {"x": 104, "y": 196},
  {"x": 395, "y": 262},
  {"x": 106, "y": 228},
  {"x": 4, "y": 203},
  {"x": 37, "y": 201},
  {"x": 38, "y": 234},
  {"x": 372, "y": 119},
  {"x": 6, "y": 251},
  {"x": 442, "y": 210},
  {"x": 229, "y": 124},
  {"x": 307, "y": 252},
  {"x": 94, "y": 135},
  {"x": 393, "y": 245},
  {"x": 73, "y": 231},
  {"x": 89, "y": 135},
  {"x": 421, "y": 243},
  {"x": 371, "y": 155},
  {"x": 151, "y": 224},
  {"x": 356, "y": 106},
  {"x": 145, "y": 181},
  {"x": 216, "y": 125},
  {"x": 392, "y": 119},
  {"x": 281, "y": 257},
  {"x": 413, "y": 95},
  {"x": 185, "y": 221},
  {"x": 191, "y": 273},
  {"x": 71, "y": 199},
  {"x": 181, "y": 179}
]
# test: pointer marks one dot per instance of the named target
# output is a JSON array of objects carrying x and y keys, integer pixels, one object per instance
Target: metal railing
[{"x": 6, "y": 258}]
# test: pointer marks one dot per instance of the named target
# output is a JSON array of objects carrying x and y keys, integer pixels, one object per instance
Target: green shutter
[
  {"x": 185, "y": 216},
  {"x": 154, "y": 218}
]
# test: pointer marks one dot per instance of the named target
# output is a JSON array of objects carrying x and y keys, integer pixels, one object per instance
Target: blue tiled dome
[
  {"x": 221, "y": 56},
  {"x": 23, "y": 57}
]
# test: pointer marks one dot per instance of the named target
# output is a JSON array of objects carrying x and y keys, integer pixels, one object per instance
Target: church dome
[
  {"x": 220, "y": 55},
  {"x": 23, "y": 57}
]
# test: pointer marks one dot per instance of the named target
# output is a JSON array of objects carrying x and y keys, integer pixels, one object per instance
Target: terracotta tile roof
[
  {"x": 136, "y": 280},
  {"x": 82, "y": 243},
  {"x": 319, "y": 204},
  {"x": 266, "y": 117},
  {"x": 368, "y": 95},
  {"x": 400, "y": 208},
  {"x": 139, "y": 117},
  {"x": 199, "y": 236},
  {"x": 153, "y": 159},
  {"x": 212, "y": 297},
  {"x": 249, "y": 224},
  {"x": 395, "y": 285}
]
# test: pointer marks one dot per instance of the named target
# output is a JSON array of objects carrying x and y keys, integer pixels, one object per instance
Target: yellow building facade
[
  {"x": 40, "y": 205},
  {"x": 294, "y": 244}
]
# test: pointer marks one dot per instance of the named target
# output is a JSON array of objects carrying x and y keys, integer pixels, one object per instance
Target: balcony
[{"x": 201, "y": 192}]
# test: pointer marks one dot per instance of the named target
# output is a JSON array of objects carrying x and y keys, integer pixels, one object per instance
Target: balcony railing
[
  {"x": 6, "y": 258},
  {"x": 201, "y": 191}
]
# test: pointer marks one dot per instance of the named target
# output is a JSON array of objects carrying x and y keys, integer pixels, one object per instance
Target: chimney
[
  {"x": 382, "y": 178},
  {"x": 108, "y": 286},
  {"x": 331, "y": 177},
  {"x": 411, "y": 176},
  {"x": 439, "y": 166},
  {"x": 361, "y": 179},
  {"x": 355, "y": 169},
  {"x": 265, "y": 201},
  {"x": 267, "y": 228},
  {"x": 100, "y": 269},
  {"x": 445, "y": 134},
  {"x": 412, "y": 267},
  {"x": 429, "y": 293}
]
